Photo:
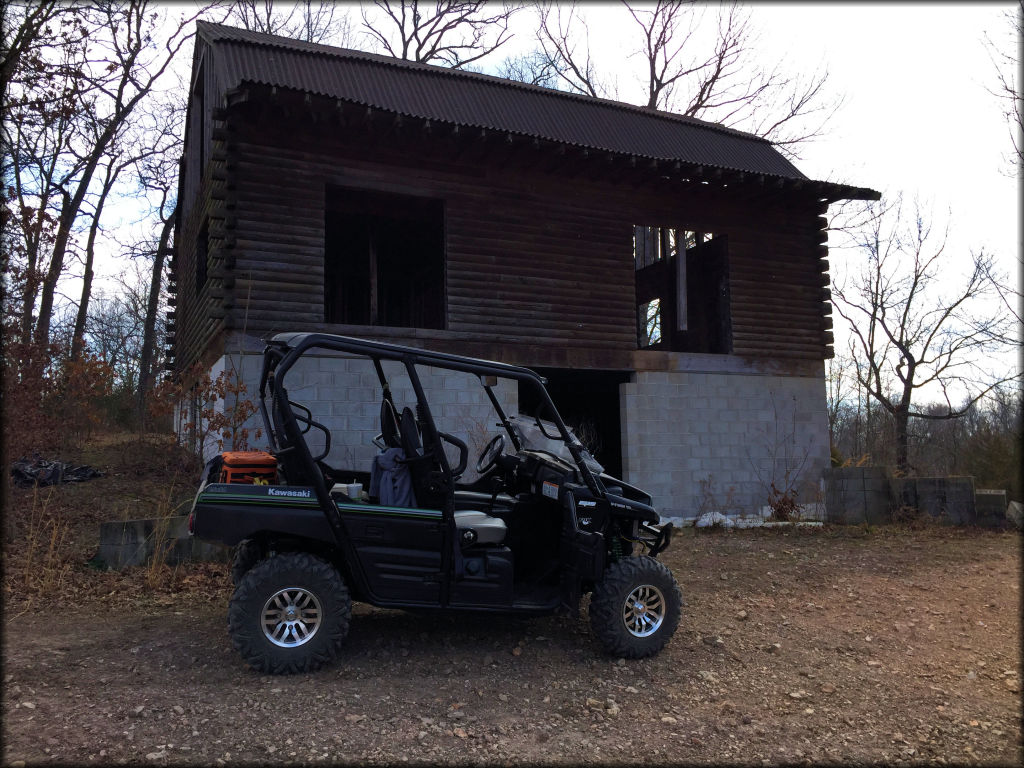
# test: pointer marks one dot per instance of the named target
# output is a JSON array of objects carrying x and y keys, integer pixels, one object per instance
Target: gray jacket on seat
[{"x": 390, "y": 480}]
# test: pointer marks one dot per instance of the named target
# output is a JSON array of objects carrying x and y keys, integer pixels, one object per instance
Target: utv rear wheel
[
  {"x": 635, "y": 609},
  {"x": 289, "y": 614},
  {"x": 247, "y": 554}
]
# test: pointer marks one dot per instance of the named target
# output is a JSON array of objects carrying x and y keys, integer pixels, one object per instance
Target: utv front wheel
[
  {"x": 635, "y": 609},
  {"x": 289, "y": 613}
]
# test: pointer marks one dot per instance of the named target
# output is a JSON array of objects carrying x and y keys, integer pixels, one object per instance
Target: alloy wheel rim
[
  {"x": 643, "y": 612},
  {"x": 291, "y": 617}
]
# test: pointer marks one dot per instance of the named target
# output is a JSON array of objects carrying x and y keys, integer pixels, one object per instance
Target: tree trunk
[
  {"x": 78, "y": 337},
  {"x": 901, "y": 418},
  {"x": 149, "y": 329},
  {"x": 68, "y": 214},
  {"x": 28, "y": 304},
  {"x": 32, "y": 275}
]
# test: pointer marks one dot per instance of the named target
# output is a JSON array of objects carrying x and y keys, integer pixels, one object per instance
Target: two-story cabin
[{"x": 668, "y": 275}]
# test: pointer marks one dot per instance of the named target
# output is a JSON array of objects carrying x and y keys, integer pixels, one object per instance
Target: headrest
[{"x": 410, "y": 434}]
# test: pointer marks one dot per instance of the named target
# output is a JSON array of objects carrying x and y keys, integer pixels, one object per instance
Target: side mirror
[{"x": 489, "y": 381}]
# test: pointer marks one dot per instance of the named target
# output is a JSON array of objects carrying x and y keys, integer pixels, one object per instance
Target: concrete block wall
[
  {"x": 344, "y": 395},
  {"x": 949, "y": 499},
  {"x": 715, "y": 439},
  {"x": 125, "y": 543},
  {"x": 990, "y": 507},
  {"x": 855, "y": 495}
]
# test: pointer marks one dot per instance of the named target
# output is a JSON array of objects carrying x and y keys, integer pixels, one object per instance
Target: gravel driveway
[{"x": 837, "y": 646}]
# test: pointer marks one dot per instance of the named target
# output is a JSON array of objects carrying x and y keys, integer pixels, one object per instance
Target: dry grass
[
  {"x": 46, "y": 563},
  {"x": 51, "y": 535}
]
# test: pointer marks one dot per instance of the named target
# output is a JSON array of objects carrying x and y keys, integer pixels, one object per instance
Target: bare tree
[
  {"x": 534, "y": 68},
  {"x": 314, "y": 22},
  {"x": 1005, "y": 57},
  {"x": 115, "y": 330},
  {"x": 42, "y": 124},
  {"x": 117, "y": 63},
  {"x": 158, "y": 175},
  {"x": 452, "y": 33},
  {"x": 913, "y": 329},
  {"x": 113, "y": 170},
  {"x": 149, "y": 141},
  {"x": 23, "y": 25},
  {"x": 664, "y": 43},
  {"x": 562, "y": 50},
  {"x": 838, "y": 393},
  {"x": 717, "y": 77}
]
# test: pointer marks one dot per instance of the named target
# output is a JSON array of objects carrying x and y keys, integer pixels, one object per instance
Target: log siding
[{"x": 538, "y": 247}]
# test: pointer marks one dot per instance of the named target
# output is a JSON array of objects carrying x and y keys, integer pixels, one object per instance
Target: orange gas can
[{"x": 249, "y": 467}]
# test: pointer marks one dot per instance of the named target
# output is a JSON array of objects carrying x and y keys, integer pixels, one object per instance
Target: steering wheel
[{"x": 491, "y": 453}]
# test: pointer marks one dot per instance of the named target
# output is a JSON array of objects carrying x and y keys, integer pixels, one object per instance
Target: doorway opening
[{"x": 589, "y": 404}]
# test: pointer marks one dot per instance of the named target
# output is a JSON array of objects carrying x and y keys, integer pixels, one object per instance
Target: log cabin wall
[
  {"x": 204, "y": 227},
  {"x": 538, "y": 246},
  {"x": 198, "y": 300}
]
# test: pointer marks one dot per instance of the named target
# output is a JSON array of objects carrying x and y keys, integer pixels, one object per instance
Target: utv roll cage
[{"x": 284, "y": 349}]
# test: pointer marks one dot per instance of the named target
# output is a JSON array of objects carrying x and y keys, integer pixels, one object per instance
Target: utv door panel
[
  {"x": 486, "y": 580},
  {"x": 399, "y": 551},
  {"x": 402, "y": 575}
]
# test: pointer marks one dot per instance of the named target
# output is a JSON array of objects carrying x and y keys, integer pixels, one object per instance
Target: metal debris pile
[{"x": 38, "y": 471}]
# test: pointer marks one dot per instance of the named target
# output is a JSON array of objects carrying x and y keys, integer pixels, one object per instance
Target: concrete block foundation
[
  {"x": 124, "y": 543},
  {"x": 714, "y": 438}
]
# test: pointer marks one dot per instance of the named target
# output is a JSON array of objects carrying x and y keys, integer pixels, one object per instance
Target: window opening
[
  {"x": 383, "y": 259},
  {"x": 682, "y": 290},
  {"x": 649, "y": 323}
]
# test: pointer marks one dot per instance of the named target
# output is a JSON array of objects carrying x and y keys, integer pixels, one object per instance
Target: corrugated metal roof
[{"x": 472, "y": 99}]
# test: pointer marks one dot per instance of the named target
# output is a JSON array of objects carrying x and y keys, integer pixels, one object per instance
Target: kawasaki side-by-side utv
[{"x": 539, "y": 526}]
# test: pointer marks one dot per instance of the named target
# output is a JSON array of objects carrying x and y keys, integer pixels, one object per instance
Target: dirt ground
[{"x": 847, "y": 646}]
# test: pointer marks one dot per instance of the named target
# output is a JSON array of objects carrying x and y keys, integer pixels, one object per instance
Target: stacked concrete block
[
  {"x": 990, "y": 508},
  {"x": 716, "y": 439},
  {"x": 943, "y": 499},
  {"x": 124, "y": 543},
  {"x": 855, "y": 495}
]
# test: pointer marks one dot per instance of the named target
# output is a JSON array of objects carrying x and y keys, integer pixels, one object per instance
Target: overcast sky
[{"x": 916, "y": 116}]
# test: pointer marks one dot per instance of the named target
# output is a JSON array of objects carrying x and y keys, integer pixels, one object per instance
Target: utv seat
[
  {"x": 479, "y": 528},
  {"x": 473, "y": 526}
]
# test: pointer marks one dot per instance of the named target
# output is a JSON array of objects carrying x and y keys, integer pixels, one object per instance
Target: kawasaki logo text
[{"x": 279, "y": 492}]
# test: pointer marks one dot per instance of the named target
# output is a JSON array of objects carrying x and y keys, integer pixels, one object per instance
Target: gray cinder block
[{"x": 124, "y": 543}]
